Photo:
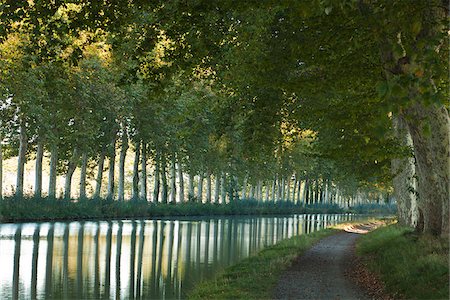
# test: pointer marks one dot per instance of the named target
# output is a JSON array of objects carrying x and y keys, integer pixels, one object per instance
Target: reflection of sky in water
[{"x": 133, "y": 259}]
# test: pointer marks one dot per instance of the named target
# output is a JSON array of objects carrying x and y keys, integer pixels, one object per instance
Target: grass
[
  {"x": 412, "y": 266},
  {"x": 255, "y": 277},
  {"x": 45, "y": 209}
]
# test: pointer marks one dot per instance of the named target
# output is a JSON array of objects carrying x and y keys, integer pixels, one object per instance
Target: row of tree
[{"x": 244, "y": 92}]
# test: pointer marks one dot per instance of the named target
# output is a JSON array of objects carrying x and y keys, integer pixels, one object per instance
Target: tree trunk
[
  {"x": 283, "y": 189},
  {"x": 250, "y": 192},
  {"x": 223, "y": 187},
  {"x": 21, "y": 160},
  {"x": 288, "y": 188},
  {"x": 143, "y": 173},
  {"x": 244, "y": 188},
  {"x": 112, "y": 162},
  {"x": 123, "y": 154},
  {"x": 84, "y": 161},
  {"x": 1, "y": 167},
  {"x": 274, "y": 185},
  {"x": 181, "y": 198},
  {"x": 38, "y": 170},
  {"x": 52, "y": 177},
  {"x": 173, "y": 178},
  {"x": 305, "y": 191},
  {"x": 267, "y": 191},
  {"x": 137, "y": 160},
  {"x": 432, "y": 152},
  {"x": 294, "y": 189},
  {"x": 200, "y": 188},
  {"x": 191, "y": 187},
  {"x": 164, "y": 179},
  {"x": 216, "y": 188},
  {"x": 70, "y": 170},
  {"x": 298, "y": 191},
  {"x": 99, "y": 179},
  {"x": 208, "y": 187},
  {"x": 259, "y": 197},
  {"x": 156, "y": 187}
]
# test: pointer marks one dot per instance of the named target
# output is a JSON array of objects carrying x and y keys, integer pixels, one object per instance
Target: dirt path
[{"x": 320, "y": 272}]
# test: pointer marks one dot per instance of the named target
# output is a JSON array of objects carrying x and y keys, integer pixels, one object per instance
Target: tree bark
[
  {"x": 288, "y": 188},
  {"x": 223, "y": 187},
  {"x": 432, "y": 152},
  {"x": 143, "y": 173},
  {"x": 122, "y": 157},
  {"x": 267, "y": 191},
  {"x": 52, "y": 177},
  {"x": 137, "y": 157},
  {"x": 274, "y": 185},
  {"x": 38, "y": 169},
  {"x": 84, "y": 161},
  {"x": 112, "y": 162},
  {"x": 70, "y": 170},
  {"x": 244, "y": 188},
  {"x": 403, "y": 170},
  {"x": 294, "y": 189},
  {"x": 21, "y": 160},
  {"x": 99, "y": 179}
]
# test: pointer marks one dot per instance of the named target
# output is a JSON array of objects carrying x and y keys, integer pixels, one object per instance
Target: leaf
[
  {"x": 328, "y": 10},
  {"x": 382, "y": 88}
]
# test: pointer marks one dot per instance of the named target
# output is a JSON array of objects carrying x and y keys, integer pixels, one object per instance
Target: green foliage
[
  {"x": 256, "y": 276},
  {"x": 411, "y": 266}
]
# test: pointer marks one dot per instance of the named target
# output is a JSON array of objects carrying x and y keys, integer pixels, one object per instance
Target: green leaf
[
  {"x": 382, "y": 88},
  {"x": 328, "y": 10}
]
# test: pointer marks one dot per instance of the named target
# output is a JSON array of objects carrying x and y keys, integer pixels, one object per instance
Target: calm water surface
[{"x": 149, "y": 259}]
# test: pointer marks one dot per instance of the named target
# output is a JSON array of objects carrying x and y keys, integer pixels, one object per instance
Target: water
[{"x": 150, "y": 259}]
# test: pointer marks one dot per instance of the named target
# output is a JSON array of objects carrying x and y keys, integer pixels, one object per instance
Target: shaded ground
[{"x": 320, "y": 273}]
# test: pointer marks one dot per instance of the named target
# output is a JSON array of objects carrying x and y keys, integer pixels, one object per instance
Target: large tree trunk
[
  {"x": 267, "y": 191},
  {"x": 112, "y": 162},
  {"x": 259, "y": 187},
  {"x": 156, "y": 186},
  {"x": 288, "y": 188},
  {"x": 216, "y": 188},
  {"x": 283, "y": 189},
  {"x": 135, "y": 188},
  {"x": 84, "y": 160},
  {"x": 70, "y": 170},
  {"x": 274, "y": 185},
  {"x": 432, "y": 152},
  {"x": 38, "y": 169},
  {"x": 208, "y": 187},
  {"x": 123, "y": 154},
  {"x": 298, "y": 200},
  {"x": 52, "y": 177},
  {"x": 294, "y": 189},
  {"x": 403, "y": 170},
  {"x": 191, "y": 187},
  {"x": 181, "y": 183},
  {"x": 144, "y": 172},
  {"x": 173, "y": 178},
  {"x": 21, "y": 160},
  {"x": 99, "y": 179},
  {"x": 305, "y": 191}
]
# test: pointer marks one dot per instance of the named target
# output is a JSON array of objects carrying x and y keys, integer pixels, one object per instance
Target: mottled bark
[
  {"x": 70, "y": 170},
  {"x": 403, "y": 170},
  {"x": 244, "y": 188},
  {"x": 38, "y": 169},
  {"x": 432, "y": 152},
  {"x": 99, "y": 179},
  {"x": 267, "y": 192},
  {"x": 223, "y": 193},
  {"x": 164, "y": 189},
  {"x": 122, "y": 157},
  {"x": 288, "y": 188},
  {"x": 23, "y": 145},
  {"x": 136, "y": 162},
  {"x": 274, "y": 185},
  {"x": 84, "y": 160},
  {"x": 200, "y": 188},
  {"x": 52, "y": 176},
  {"x": 1, "y": 167}
]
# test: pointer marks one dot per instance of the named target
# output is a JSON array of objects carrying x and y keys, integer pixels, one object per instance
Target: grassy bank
[
  {"x": 411, "y": 266},
  {"x": 31, "y": 209},
  {"x": 255, "y": 277}
]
